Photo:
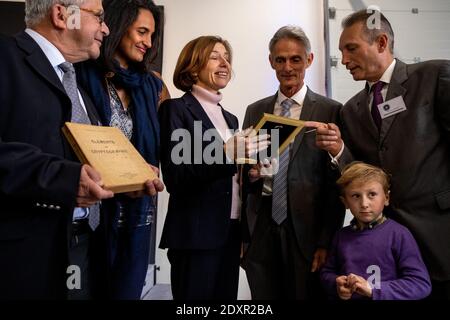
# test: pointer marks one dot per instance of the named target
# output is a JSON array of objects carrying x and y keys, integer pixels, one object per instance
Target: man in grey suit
[
  {"x": 408, "y": 135},
  {"x": 284, "y": 254}
]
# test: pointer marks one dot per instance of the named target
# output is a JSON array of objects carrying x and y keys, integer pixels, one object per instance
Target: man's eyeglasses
[{"x": 100, "y": 15}]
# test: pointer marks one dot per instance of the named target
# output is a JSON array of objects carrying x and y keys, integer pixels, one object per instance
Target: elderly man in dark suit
[
  {"x": 43, "y": 240},
  {"x": 408, "y": 134},
  {"x": 291, "y": 230}
]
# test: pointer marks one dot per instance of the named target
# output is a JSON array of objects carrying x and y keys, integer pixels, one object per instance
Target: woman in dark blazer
[{"x": 201, "y": 229}]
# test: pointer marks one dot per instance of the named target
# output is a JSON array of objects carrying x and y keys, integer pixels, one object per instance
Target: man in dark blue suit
[{"x": 43, "y": 189}]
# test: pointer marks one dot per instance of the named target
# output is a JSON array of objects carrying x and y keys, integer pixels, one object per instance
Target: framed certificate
[
  {"x": 282, "y": 132},
  {"x": 283, "y": 129}
]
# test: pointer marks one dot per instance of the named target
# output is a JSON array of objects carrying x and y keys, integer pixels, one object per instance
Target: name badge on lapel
[{"x": 391, "y": 107}]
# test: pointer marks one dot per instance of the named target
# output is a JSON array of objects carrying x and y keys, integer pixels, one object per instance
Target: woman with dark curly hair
[{"x": 126, "y": 94}]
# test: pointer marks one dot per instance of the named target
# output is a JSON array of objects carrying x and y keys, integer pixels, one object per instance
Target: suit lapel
[
  {"x": 361, "y": 108},
  {"x": 270, "y": 107},
  {"x": 395, "y": 89},
  {"x": 38, "y": 61},
  {"x": 197, "y": 110},
  {"x": 200, "y": 114},
  {"x": 305, "y": 115},
  {"x": 266, "y": 108},
  {"x": 232, "y": 124},
  {"x": 263, "y": 108}
]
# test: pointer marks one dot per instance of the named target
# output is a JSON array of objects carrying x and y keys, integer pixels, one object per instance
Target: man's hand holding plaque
[
  {"x": 90, "y": 188},
  {"x": 328, "y": 136}
]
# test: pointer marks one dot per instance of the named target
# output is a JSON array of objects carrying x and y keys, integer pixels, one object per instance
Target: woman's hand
[
  {"x": 266, "y": 168},
  {"x": 246, "y": 143},
  {"x": 152, "y": 187}
]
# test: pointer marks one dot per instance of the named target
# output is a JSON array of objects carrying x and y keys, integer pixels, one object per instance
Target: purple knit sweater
[{"x": 389, "y": 246}]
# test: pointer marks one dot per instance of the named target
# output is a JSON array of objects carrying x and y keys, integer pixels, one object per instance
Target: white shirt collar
[
  {"x": 51, "y": 52},
  {"x": 387, "y": 75},
  {"x": 298, "y": 97}
]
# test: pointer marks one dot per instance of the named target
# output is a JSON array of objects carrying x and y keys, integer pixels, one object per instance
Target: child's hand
[
  {"x": 359, "y": 285},
  {"x": 343, "y": 290}
]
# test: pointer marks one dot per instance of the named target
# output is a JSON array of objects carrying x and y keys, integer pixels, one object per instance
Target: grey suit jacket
[
  {"x": 414, "y": 147},
  {"x": 315, "y": 210}
]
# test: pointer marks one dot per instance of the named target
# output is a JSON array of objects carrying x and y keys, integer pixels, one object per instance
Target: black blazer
[
  {"x": 414, "y": 147},
  {"x": 315, "y": 209},
  {"x": 198, "y": 216},
  {"x": 39, "y": 174}
]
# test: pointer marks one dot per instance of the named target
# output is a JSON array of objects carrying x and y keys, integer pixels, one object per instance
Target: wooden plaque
[
  {"x": 288, "y": 129},
  {"x": 109, "y": 152}
]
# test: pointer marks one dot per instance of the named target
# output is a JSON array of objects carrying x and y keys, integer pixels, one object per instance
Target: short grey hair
[
  {"x": 290, "y": 32},
  {"x": 37, "y": 10},
  {"x": 362, "y": 16}
]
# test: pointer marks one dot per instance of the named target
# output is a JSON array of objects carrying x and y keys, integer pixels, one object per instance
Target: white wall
[
  {"x": 430, "y": 25},
  {"x": 248, "y": 25}
]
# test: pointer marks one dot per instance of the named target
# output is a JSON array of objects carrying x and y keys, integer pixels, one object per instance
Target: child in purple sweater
[{"x": 375, "y": 257}]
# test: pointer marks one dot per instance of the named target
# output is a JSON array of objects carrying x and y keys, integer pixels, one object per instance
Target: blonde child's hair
[{"x": 363, "y": 172}]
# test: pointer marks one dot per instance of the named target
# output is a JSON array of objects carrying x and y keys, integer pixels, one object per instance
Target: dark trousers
[
  {"x": 207, "y": 274},
  {"x": 274, "y": 263},
  {"x": 129, "y": 264},
  {"x": 79, "y": 257}
]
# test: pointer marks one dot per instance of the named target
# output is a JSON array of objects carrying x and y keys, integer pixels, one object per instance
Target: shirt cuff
[{"x": 335, "y": 160}]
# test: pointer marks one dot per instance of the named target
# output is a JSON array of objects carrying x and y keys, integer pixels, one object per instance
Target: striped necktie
[
  {"x": 279, "y": 188},
  {"x": 69, "y": 82}
]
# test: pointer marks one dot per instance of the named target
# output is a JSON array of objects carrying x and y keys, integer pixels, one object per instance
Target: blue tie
[
  {"x": 279, "y": 188},
  {"x": 69, "y": 82},
  {"x": 286, "y": 107}
]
